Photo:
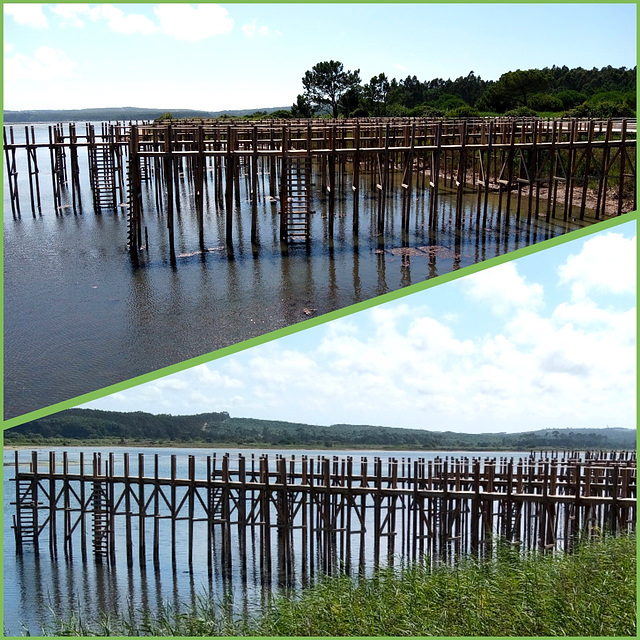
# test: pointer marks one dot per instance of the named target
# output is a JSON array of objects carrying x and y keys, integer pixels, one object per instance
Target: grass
[{"x": 591, "y": 592}]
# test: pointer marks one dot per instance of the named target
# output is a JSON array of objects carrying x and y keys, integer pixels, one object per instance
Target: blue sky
[
  {"x": 231, "y": 56},
  {"x": 547, "y": 340}
]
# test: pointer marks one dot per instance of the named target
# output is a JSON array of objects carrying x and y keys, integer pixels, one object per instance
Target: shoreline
[{"x": 264, "y": 446}]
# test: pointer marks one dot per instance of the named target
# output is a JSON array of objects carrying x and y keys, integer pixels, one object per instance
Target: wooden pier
[
  {"x": 303, "y": 515},
  {"x": 569, "y": 169}
]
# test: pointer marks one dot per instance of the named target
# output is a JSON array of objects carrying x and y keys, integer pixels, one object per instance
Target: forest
[
  {"x": 90, "y": 426},
  {"x": 602, "y": 93}
]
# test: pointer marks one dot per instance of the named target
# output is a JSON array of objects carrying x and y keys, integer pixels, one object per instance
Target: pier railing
[{"x": 314, "y": 513}]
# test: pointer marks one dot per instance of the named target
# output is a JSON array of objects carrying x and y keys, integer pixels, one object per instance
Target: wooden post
[
  {"x": 225, "y": 498},
  {"x": 191, "y": 496},
  {"x": 127, "y": 508},
  {"x": 242, "y": 516},
  {"x": 284, "y": 192},
  {"x": 229, "y": 170},
  {"x": 168, "y": 170},
  {"x": 254, "y": 186},
  {"x": 623, "y": 156},
  {"x": 265, "y": 517},
  {"x": 332, "y": 179},
  {"x": 55, "y": 185},
  {"x": 552, "y": 171},
  {"x": 53, "y": 541},
  {"x": 199, "y": 184},
  {"x": 156, "y": 511},
  {"x": 356, "y": 180}
]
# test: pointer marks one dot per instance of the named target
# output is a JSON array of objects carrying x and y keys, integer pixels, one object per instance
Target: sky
[
  {"x": 544, "y": 341},
  {"x": 237, "y": 56}
]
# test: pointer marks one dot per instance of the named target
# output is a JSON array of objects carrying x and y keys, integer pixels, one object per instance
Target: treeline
[
  {"x": 606, "y": 92},
  {"x": 87, "y": 425}
]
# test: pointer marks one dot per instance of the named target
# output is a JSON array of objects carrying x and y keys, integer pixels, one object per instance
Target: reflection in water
[{"x": 81, "y": 314}]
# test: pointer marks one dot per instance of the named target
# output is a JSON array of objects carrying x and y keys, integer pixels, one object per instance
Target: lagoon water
[
  {"x": 80, "y": 314},
  {"x": 37, "y": 588}
]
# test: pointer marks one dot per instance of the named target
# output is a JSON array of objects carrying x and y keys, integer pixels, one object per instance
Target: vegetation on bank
[
  {"x": 93, "y": 427},
  {"x": 600, "y": 93},
  {"x": 591, "y": 592}
]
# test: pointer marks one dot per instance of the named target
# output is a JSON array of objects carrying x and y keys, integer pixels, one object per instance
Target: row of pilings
[
  {"x": 298, "y": 515},
  {"x": 525, "y": 169}
]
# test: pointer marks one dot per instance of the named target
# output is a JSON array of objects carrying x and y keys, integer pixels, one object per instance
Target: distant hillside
[
  {"x": 87, "y": 425},
  {"x": 119, "y": 113}
]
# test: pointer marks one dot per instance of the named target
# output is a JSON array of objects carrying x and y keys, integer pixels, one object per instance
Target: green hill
[{"x": 76, "y": 426}]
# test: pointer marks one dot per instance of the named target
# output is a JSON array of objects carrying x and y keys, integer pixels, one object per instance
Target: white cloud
[
  {"x": 436, "y": 340},
  {"x": 46, "y": 64},
  {"x": 73, "y": 14},
  {"x": 214, "y": 379},
  {"x": 401, "y": 67},
  {"x": 606, "y": 263},
  {"x": 251, "y": 29},
  {"x": 121, "y": 23},
  {"x": 8, "y": 47},
  {"x": 193, "y": 23},
  {"x": 27, "y": 14},
  {"x": 503, "y": 289}
]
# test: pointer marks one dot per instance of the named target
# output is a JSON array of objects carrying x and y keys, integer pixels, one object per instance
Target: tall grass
[{"x": 591, "y": 592}]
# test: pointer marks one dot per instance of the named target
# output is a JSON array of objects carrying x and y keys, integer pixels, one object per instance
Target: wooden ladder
[
  {"x": 25, "y": 522},
  {"x": 296, "y": 208},
  {"x": 132, "y": 240},
  {"x": 103, "y": 177},
  {"x": 101, "y": 517}
]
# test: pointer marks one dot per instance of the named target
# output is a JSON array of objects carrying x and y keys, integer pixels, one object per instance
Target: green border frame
[
  {"x": 328, "y": 317},
  {"x": 274, "y": 335}
]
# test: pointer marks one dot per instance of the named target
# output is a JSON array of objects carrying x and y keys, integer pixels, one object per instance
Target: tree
[
  {"x": 408, "y": 92},
  {"x": 523, "y": 83},
  {"x": 327, "y": 82},
  {"x": 469, "y": 87},
  {"x": 280, "y": 114},
  {"x": 350, "y": 101},
  {"x": 375, "y": 94},
  {"x": 301, "y": 108},
  {"x": 514, "y": 88}
]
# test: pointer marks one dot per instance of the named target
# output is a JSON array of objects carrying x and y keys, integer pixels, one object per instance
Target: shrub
[
  {"x": 360, "y": 112},
  {"x": 571, "y": 98},
  {"x": 426, "y": 111},
  {"x": 521, "y": 112},
  {"x": 397, "y": 110},
  {"x": 545, "y": 102},
  {"x": 447, "y": 102},
  {"x": 463, "y": 112},
  {"x": 280, "y": 114},
  {"x": 605, "y": 109}
]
